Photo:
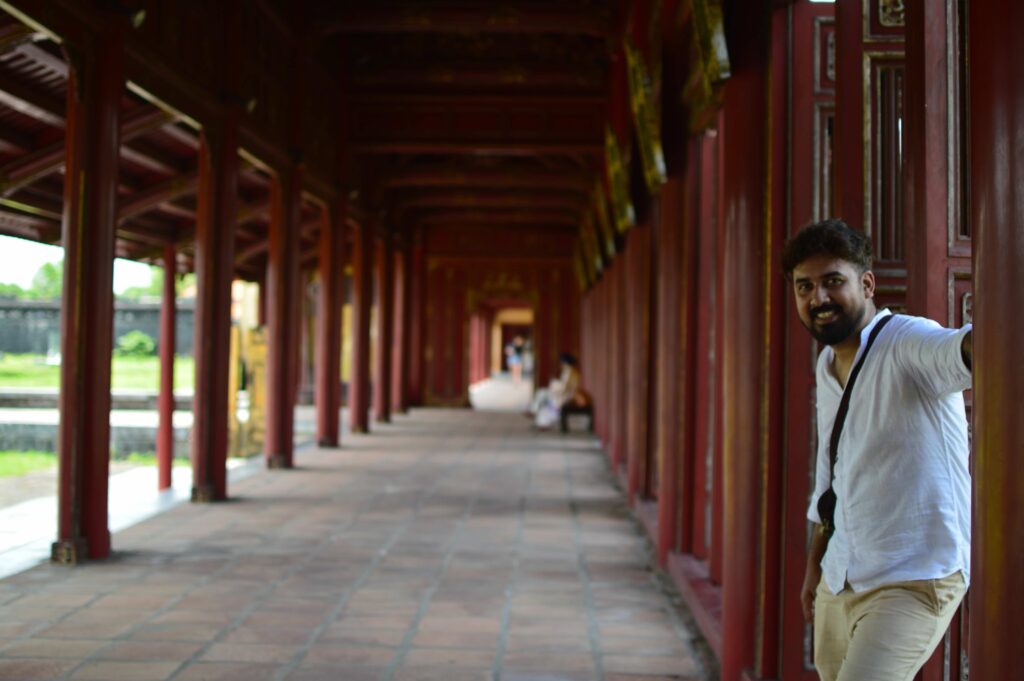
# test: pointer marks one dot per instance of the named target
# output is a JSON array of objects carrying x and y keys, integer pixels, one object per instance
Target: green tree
[
  {"x": 11, "y": 291},
  {"x": 156, "y": 285},
  {"x": 48, "y": 281}
]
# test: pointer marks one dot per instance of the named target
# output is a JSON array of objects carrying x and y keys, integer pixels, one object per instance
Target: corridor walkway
[{"x": 450, "y": 545}]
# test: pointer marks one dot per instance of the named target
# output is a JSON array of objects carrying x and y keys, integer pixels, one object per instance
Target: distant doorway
[{"x": 501, "y": 341}]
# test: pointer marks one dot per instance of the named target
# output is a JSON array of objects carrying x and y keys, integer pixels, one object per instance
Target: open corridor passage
[{"x": 448, "y": 545}]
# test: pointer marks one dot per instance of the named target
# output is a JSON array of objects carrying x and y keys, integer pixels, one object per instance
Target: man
[{"x": 882, "y": 590}]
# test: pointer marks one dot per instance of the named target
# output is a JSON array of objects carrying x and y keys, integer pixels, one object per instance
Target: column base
[
  {"x": 69, "y": 551},
  {"x": 328, "y": 443},
  {"x": 203, "y": 494},
  {"x": 277, "y": 462},
  {"x": 360, "y": 429},
  {"x": 383, "y": 419}
]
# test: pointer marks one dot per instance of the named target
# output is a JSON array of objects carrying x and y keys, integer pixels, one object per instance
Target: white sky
[{"x": 21, "y": 259}]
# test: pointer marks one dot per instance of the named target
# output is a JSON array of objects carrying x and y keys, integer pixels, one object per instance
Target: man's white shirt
[{"x": 901, "y": 478}]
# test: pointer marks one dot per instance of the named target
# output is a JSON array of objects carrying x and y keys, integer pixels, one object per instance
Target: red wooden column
[
  {"x": 362, "y": 301},
  {"x": 416, "y": 288},
  {"x": 329, "y": 331},
  {"x": 996, "y": 74},
  {"x": 215, "y": 246},
  {"x": 165, "y": 401},
  {"x": 673, "y": 350},
  {"x": 744, "y": 342},
  {"x": 385, "y": 272},
  {"x": 400, "y": 356},
  {"x": 283, "y": 317},
  {"x": 95, "y": 87},
  {"x": 638, "y": 295}
]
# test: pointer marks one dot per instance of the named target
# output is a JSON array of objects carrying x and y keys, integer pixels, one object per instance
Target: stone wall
[{"x": 33, "y": 326}]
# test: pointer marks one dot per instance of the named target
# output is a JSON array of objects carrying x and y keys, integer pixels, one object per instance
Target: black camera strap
[{"x": 828, "y": 524}]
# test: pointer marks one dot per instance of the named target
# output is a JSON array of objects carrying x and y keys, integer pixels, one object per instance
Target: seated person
[{"x": 547, "y": 403}]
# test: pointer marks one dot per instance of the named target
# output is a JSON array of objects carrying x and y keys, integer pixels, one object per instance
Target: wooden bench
[{"x": 572, "y": 408}]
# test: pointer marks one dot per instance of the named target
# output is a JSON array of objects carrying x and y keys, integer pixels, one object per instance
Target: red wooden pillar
[
  {"x": 165, "y": 401},
  {"x": 385, "y": 272},
  {"x": 400, "y": 356},
  {"x": 416, "y": 288},
  {"x": 996, "y": 114},
  {"x": 675, "y": 284},
  {"x": 283, "y": 317},
  {"x": 744, "y": 335},
  {"x": 95, "y": 87},
  {"x": 638, "y": 319},
  {"x": 329, "y": 331},
  {"x": 215, "y": 247},
  {"x": 362, "y": 301}
]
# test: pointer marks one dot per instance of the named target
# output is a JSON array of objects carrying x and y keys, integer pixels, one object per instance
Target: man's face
[{"x": 832, "y": 297}]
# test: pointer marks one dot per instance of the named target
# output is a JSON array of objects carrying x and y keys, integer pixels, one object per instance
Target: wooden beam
[
  {"x": 44, "y": 58},
  {"x": 152, "y": 157},
  {"x": 493, "y": 201},
  {"x": 157, "y": 194},
  {"x": 492, "y": 148},
  {"x": 461, "y": 76},
  {"x": 28, "y": 227},
  {"x": 483, "y": 18},
  {"x": 50, "y": 159},
  {"x": 506, "y": 217},
  {"x": 483, "y": 177},
  {"x": 27, "y": 101}
]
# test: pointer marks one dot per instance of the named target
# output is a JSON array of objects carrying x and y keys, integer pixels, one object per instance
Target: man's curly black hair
[{"x": 828, "y": 237}]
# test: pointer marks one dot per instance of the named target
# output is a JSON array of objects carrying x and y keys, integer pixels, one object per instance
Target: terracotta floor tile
[
  {"x": 228, "y": 671},
  {"x": 461, "y": 533},
  {"x": 448, "y": 657},
  {"x": 650, "y": 664},
  {"x": 32, "y": 669},
  {"x": 150, "y": 650}
]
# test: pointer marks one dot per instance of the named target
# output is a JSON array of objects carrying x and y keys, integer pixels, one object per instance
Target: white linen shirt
[{"x": 902, "y": 482}]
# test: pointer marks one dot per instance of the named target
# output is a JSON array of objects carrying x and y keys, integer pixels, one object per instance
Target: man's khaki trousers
[{"x": 884, "y": 634}]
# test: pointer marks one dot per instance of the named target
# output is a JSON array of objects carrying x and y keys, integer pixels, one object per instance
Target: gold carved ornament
[
  {"x": 618, "y": 183},
  {"x": 599, "y": 205},
  {"x": 709, "y": 62},
  {"x": 892, "y": 13},
  {"x": 646, "y": 119}
]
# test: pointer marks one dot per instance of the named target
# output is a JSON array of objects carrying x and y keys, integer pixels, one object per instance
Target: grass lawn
[
  {"x": 13, "y": 464},
  {"x": 139, "y": 373}
]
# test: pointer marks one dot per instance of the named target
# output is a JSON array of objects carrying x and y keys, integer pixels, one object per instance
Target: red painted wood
[
  {"x": 329, "y": 327},
  {"x": 808, "y": 99},
  {"x": 638, "y": 295},
  {"x": 849, "y": 151},
  {"x": 95, "y": 86},
  {"x": 996, "y": 114},
  {"x": 673, "y": 353},
  {"x": 165, "y": 399},
  {"x": 385, "y": 281},
  {"x": 744, "y": 336},
  {"x": 933, "y": 223},
  {"x": 283, "y": 317},
  {"x": 217, "y": 213},
  {"x": 417, "y": 289},
  {"x": 401, "y": 347},
  {"x": 362, "y": 301}
]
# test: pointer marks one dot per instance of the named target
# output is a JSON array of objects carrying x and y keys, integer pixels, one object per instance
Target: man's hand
[
  {"x": 815, "y": 552},
  {"x": 811, "y": 579}
]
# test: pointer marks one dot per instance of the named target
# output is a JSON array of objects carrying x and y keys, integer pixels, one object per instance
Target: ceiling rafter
[{"x": 390, "y": 17}]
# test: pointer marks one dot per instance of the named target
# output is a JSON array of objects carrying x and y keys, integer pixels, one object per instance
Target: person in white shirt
[{"x": 882, "y": 590}]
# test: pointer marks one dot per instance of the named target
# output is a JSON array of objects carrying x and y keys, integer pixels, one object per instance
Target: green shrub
[{"x": 136, "y": 344}]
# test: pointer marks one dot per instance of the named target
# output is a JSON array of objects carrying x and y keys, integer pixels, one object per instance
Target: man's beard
[{"x": 838, "y": 331}]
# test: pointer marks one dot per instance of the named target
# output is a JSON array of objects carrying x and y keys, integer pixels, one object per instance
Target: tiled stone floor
[{"x": 450, "y": 545}]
